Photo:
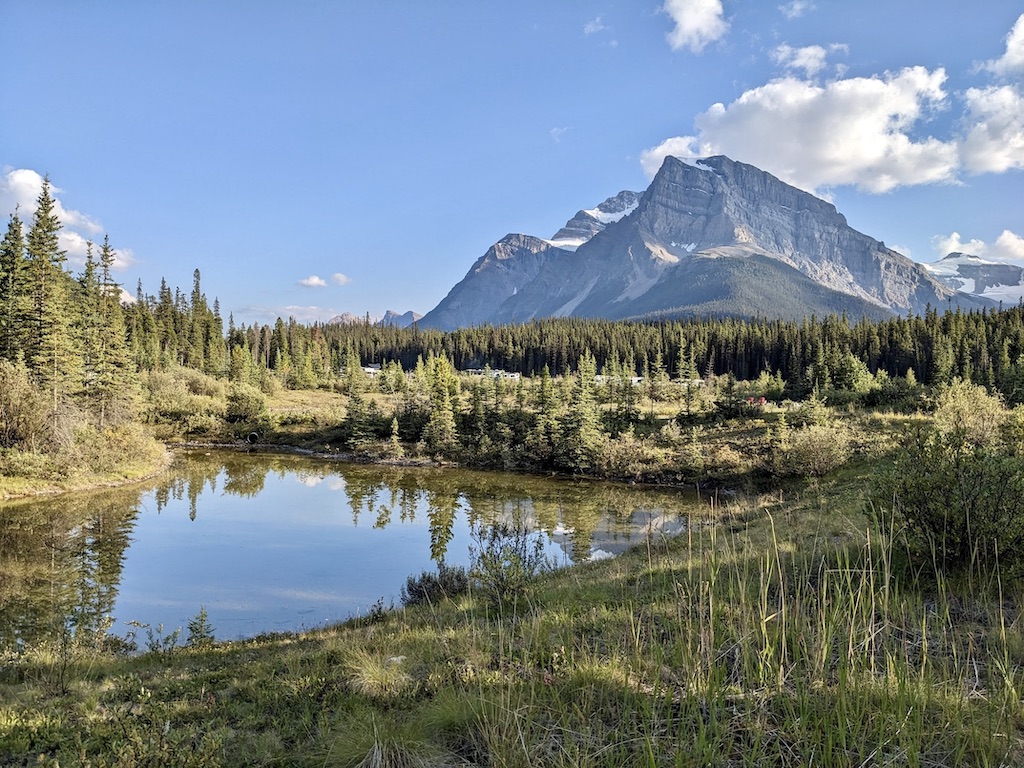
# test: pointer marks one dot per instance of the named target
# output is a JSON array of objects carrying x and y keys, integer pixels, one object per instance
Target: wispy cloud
[
  {"x": 796, "y": 8},
  {"x": 558, "y": 133},
  {"x": 594, "y": 26},
  {"x": 340, "y": 279},
  {"x": 697, "y": 23},
  {"x": 811, "y": 59}
]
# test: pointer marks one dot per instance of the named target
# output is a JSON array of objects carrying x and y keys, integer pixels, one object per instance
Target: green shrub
[
  {"x": 962, "y": 502},
  {"x": 246, "y": 403},
  {"x": 200, "y": 630},
  {"x": 23, "y": 409},
  {"x": 813, "y": 451},
  {"x": 429, "y": 587},
  {"x": 506, "y": 561},
  {"x": 958, "y": 484},
  {"x": 171, "y": 398}
]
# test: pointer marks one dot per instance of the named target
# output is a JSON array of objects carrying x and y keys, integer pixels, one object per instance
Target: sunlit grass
[{"x": 784, "y": 628}]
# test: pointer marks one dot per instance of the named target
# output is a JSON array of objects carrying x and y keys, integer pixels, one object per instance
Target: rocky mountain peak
[
  {"x": 587, "y": 223},
  {"x": 712, "y": 236}
]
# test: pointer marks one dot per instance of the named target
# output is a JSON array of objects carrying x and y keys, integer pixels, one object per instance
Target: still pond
[{"x": 269, "y": 543}]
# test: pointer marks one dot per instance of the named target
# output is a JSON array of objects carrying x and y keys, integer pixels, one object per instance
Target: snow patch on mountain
[
  {"x": 612, "y": 215},
  {"x": 991, "y": 279},
  {"x": 568, "y": 243}
]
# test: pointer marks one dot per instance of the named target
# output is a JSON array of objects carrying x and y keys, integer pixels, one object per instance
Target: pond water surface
[{"x": 279, "y": 543}]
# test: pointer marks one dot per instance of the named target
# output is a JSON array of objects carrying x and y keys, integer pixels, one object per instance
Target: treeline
[
  {"x": 983, "y": 347},
  {"x": 70, "y": 341}
]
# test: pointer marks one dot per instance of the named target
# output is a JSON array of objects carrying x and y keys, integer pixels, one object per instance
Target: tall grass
[{"x": 761, "y": 637}]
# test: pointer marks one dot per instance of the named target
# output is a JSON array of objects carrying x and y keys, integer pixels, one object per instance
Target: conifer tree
[
  {"x": 581, "y": 432},
  {"x": 88, "y": 316},
  {"x": 13, "y": 289},
  {"x": 115, "y": 374},
  {"x": 440, "y": 433},
  {"x": 50, "y": 349}
]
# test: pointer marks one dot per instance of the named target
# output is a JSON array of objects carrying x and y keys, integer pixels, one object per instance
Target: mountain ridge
[{"x": 660, "y": 252}]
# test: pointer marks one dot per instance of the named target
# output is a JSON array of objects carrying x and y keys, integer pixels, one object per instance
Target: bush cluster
[{"x": 430, "y": 587}]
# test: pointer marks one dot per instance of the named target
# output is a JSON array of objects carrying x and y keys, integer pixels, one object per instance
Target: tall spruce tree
[
  {"x": 581, "y": 428},
  {"x": 114, "y": 375},
  {"x": 50, "y": 346},
  {"x": 13, "y": 289}
]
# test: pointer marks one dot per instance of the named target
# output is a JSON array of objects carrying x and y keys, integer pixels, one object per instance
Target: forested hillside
[{"x": 82, "y": 366}]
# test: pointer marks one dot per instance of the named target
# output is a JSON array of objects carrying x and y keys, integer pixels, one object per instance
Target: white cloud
[
  {"x": 952, "y": 243},
  {"x": 20, "y": 187},
  {"x": 123, "y": 258},
  {"x": 313, "y": 281},
  {"x": 866, "y": 132},
  {"x": 339, "y": 279},
  {"x": 593, "y": 27},
  {"x": 74, "y": 246},
  {"x": 1009, "y": 246},
  {"x": 1011, "y": 63},
  {"x": 995, "y": 138},
  {"x": 796, "y": 8},
  {"x": 811, "y": 58},
  {"x": 698, "y": 22},
  {"x": 856, "y": 131},
  {"x": 558, "y": 133}
]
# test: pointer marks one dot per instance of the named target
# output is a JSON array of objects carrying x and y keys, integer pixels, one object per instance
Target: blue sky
[{"x": 316, "y": 157}]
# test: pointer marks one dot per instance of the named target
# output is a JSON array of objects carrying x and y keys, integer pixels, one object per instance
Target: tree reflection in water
[{"x": 61, "y": 560}]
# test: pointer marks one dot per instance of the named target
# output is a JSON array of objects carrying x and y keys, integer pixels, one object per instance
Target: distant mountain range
[
  {"x": 403, "y": 320},
  {"x": 995, "y": 280},
  {"x": 711, "y": 238}
]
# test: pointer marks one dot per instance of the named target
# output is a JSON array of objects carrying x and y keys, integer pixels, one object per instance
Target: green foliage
[
  {"x": 245, "y": 403},
  {"x": 106, "y": 451},
  {"x": 24, "y": 416},
  {"x": 958, "y": 484},
  {"x": 812, "y": 412},
  {"x": 200, "y": 630},
  {"x": 811, "y": 451},
  {"x": 432, "y": 587},
  {"x": 630, "y": 457},
  {"x": 506, "y": 561},
  {"x": 187, "y": 400},
  {"x": 581, "y": 437},
  {"x": 13, "y": 291}
]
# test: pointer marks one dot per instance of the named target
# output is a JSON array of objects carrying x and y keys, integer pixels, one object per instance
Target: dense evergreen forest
[{"x": 77, "y": 360}]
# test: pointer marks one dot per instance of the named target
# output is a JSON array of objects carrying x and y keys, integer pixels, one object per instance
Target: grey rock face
[
  {"x": 345, "y": 318},
  {"x": 511, "y": 263},
  {"x": 694, "y": 222},
  {"x": 585, "y": 224},
  {"x": 403, "y": 320}
]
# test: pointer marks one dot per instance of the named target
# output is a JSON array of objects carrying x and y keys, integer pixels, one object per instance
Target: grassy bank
[
  {"x": 92, "y": 459},
  {"x": 784, "y": 629}
]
